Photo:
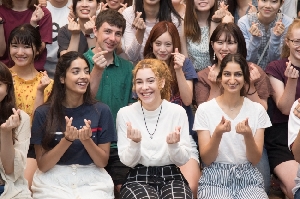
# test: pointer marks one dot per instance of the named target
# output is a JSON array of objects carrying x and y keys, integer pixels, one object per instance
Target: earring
[{"x": 214, "y": 57}]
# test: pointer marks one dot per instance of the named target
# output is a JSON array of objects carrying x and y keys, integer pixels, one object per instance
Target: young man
[
  {"x": 59, "y": 12},
  {"x": 111, "y": 77}
]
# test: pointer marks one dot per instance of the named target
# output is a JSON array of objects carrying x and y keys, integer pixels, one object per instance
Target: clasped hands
[
  {"x": 135, "y": 135},
  {"x": 72, "y": 133}
]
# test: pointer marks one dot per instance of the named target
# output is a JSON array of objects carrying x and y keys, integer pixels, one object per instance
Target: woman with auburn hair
[
  {"x": 140, "y": 19},
  {"x": 14, "y": 139},
  {"x": 284, "y": 77},
  {"x": 153, "y": 137},
  {"x": 164, "y": 44}
]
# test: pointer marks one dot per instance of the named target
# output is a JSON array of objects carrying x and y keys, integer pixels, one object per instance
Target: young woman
[
  {"x": 200, "y": 20},
  {"x": 230, "y": 131},
  {"x": 71, "y": 134},
  {"x": 14, "y": 139},
  {"x": 15, "y": 13},
  {"x": 264, "y": 32},
  {"x": 32, "y": 88},
  {"x": 284, "y": 77},
  {"x": 118, "y": 5},
  {"x": 153, "y": 136},
  {"x": 78, "y": 34},
  {"x": 164, "y": 44},
  {"x": 140, "y": 19},
  {"x": 228, "y": 39}
]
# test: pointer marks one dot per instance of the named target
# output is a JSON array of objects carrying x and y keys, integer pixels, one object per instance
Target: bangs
[
  {"x": 229, "y": 36},
  {"x": 22, "y": 39}
]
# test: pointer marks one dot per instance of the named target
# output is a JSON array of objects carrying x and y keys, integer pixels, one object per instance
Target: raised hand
[
  {"x": 138, "y": 22},
  {"x": 290, "y": 71},
  {"x": 12, "y": 122},
  {"x": 279, "y": 28},
  {"x": 174, "y": 137},
  {"x": 254, "y": 74},
  {"x": 212, "y": 75},
  {"x": 44, "y": 82},
  {"x": 43, "y": 3},
  {"x": 89, "y": 25},
  {"x": 123, "y": 7},
  {"x": 254, "y": 30},
  {"x": 73, "y": 26},
  {"x": 86, "y": 132},
  {"x": 71, "y": 132},
  {"x": 99, "y": 59},
  {"x": 223, "y": 126},
  {"x": 178, "y": 59},
  {"x": 37, "y": 15},
  {"x": 297, "y": 109},
  {"x": 71, "y": 13},
  {"x": 220, "y": 13},
  {"x": 103, "y": 6},
  {"x": 252, "y": 8},
  {"x": 133, "y": 134},
  {"x": 243, "y": 128}
]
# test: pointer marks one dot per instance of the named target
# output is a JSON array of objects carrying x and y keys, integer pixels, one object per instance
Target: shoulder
[
  {"x": 172, "y": 107},
  {"x": 24, "y": 117},
  {"x": 124, "y": 63},
  {"x": 203, "y": 74},
  {"x": 128, "y": 13},
  {"x": 43, "y": 109},
  {"x": 130, "y": 109},
  {"x": 286, "y": 20},
  {"x": 244, "y": 20},
  {"x": 276, "y": 65},
  {"x": 100, "y": 106},
  {"x": 46, "y": 11}
]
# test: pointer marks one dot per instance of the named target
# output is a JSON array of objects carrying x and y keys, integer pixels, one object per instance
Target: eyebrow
[
  {"x": 78, "y": 68},
  {"x": 146, "y": 78}
]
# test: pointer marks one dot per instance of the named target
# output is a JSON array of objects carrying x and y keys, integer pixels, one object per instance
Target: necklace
[{"x": 151, "y": 134}]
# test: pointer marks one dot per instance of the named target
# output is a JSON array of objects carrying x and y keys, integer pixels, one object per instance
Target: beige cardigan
[{"x": 16, "y": 185}]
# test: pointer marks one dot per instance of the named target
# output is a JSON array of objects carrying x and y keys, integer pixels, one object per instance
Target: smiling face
[
  {"x": 223, "y": 46},
  {"x": 22, "y": 54},
  {"x": 294, "y": 46},
  {"x": 86, "y": 8},
  {"x": 77, "y": 78},
  {"x": 151, "y": 2},
  {"x": 269, "y": 8},
  {"x": 203, "y": 5},
  {"x": 163, "y": 47},
  {"x": 148, "y": 87},
  {"x": 232, "y": 78},
  {"x": 108, "y": 37},
  {"x": 114, "y": 4}
]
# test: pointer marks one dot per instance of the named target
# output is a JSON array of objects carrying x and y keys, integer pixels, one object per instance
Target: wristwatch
[
  {"x": 92, "y": 35},
  {"x": 2, "y": 21}
]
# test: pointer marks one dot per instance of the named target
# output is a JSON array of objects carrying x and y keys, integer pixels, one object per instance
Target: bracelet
[
  {"x": 252, "y": 93},
  {"x": 216, "y": 21},
  {"x": 69, "y": 140}
]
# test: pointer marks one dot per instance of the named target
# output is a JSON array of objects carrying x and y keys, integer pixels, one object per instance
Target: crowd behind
[{"x": 149, "y": 98}]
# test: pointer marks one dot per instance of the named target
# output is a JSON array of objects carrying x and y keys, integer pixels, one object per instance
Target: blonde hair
[
  {"x": 161, "y": 71},
  {"x": 285, "y": 49}
]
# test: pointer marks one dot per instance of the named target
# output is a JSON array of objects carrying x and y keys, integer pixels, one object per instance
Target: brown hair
[
  {"x": 191, "y": 27},
  {"x": 159, "y": 29},
  {"x": 161, "y": 71},
  {"x": 285, "y": 49},
  {"x": 9, "y": 4}
]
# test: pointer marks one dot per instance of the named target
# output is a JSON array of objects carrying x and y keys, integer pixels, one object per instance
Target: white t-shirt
[
  {"x": 155, "y": 151},
  {"x": 232, "y": 148},
  {"x": 59, "y": 19}
]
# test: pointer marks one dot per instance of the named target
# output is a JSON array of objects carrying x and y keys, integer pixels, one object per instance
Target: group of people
[{"x": 96, "y": 98}]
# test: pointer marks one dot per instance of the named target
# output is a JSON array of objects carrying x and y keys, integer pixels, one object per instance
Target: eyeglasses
[{"x": 296, "y": 43}]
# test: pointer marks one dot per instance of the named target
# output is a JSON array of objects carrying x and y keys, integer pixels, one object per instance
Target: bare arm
[
  {"x": 254, "y": 146},
  {"x": 99, "y": 154},
  {"x": 75, "y": 30},
  {"x": 39, "y": 98},
  {"x": 296, "y": 148}
]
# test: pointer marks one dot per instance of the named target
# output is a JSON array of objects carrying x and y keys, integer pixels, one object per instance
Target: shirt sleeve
[
  {"x": 263, "y": 117},
  {"x": 201, "y": 122},
  {"x": 128, "y": 150},
  {"x": 252, "y": 42},
  {"x": 180, "y": 152},
  {"x": 21, "y": 147},
  {"x": 63, "y": 39},
  {"x": 293, "y": 126},
  {"x": 108, "y": 132},
  {"x": 274, "y": 69},
  {"x": 202, "y": 88},
  {"x": 45, "y": 26},
  {"x": 189, "y": 70},
  {"x": 38, "y": 126},
  {"x": 131, "y": 46}
]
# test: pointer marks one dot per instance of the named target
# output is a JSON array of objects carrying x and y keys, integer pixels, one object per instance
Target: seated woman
[
  {"x": 294, "y": 141},
  {"x": 284, "y": 77},
  {"x": 14, "y": 139},
  {"x": 228, "y": 39},
  {"x": 230, "y": 131},
  {"x": 153, "y": 137},
  {"x": 164, "y": 44},
  {"x": 71, "y": 134}
]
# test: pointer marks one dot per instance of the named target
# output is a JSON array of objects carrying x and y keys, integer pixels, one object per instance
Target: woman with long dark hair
[
  {"x": 14, "y": 139},
  {"x": 71, "y": 133}
]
